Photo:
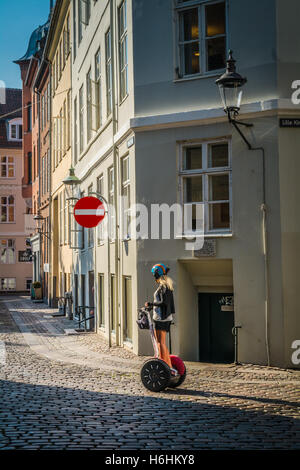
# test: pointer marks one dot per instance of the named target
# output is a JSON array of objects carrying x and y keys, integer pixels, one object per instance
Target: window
[
  {"x": 29, "y": 159},
  {"x": 15, "y": 131},
  {"x": 65, "y": 218},
  {"x": 60, "y": 134},
  {"x": 111, "y": 202},
  {"x": 206, "y": 179},
  {"x": 7, "y": 209},
  {"x": 28, "y": 282},
  {"x": 79, "y": 21},
  {"x": 64, "y": 133},
  {"x": 108, "y": 73},
  {"x": 100, "y": 227},
  {"x": 81, "y": 109},
  {"x": 123, "y": 59},
  {"x": 74, "y": 31},
  {"x": 98, "y": 88},
  {"x": 89, "y": 105},
  {"x": 127, "y": 329},
  {"x": 68, "y": 141},
  {"x": 202, "y": 37},
  {"x": 101, "y": 299},
  {"x": 8, "y": 283},
  {"x": 61, "y": 218},
  {"x": 7, "y": 167},
  {"x": 75, "y": 131},
  {"x": 29, "y": 117},
  {"x": 125, "y": 196},
  {"x": 7, "y": 255},
  {"x": 113, "y": 303}
]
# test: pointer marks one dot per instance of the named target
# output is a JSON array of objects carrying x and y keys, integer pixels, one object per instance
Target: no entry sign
[{"x": 89, "y": 211}]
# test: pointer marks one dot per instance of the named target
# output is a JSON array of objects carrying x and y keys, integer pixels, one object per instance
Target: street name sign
[
  {"x": 289, "y": 122},
  {"x": 89, "y": 211}
]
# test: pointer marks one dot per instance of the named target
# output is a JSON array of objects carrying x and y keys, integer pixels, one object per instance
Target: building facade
[
  {"x": 57, "y": 53},
  {"x": 160, "y": 136},
  {"x": 141, "y": 121},
  {"x": 15, "y": 259}
]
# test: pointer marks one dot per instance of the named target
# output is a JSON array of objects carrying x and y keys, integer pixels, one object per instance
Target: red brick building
[
  {"x": 36, "y": 149},
  {"x": 15, "y": 260}
]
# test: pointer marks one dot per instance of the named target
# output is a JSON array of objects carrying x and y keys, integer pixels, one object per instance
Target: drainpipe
[
  {"x": 116, "y": 173},
  {"x": 39, "y": 175}
]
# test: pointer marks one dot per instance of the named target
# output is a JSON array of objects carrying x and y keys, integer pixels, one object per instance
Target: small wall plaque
[{"x": 208, "y": 249}]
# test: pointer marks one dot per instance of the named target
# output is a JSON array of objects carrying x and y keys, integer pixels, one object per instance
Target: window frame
[
  {"x": 13, "y": 240},
  {"x": 108, "y": 73},
  {"x": 8, "y": 164},
  {"x": 179, "y": 67},
  {"x": 7, "y": 211},
  {"x": 206, "y": 172},
  {"x": 123, "y": 39},
  {"x": 8, "y": 289}
]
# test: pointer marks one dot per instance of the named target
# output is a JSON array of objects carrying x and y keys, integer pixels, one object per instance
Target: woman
[{"x": 163, "y": 310}]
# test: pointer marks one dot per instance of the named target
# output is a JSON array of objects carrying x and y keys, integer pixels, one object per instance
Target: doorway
[{"x": 216, "y": 320}]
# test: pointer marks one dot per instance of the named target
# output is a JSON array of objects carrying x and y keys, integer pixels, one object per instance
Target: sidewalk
[{"x": 46, "y": 336}]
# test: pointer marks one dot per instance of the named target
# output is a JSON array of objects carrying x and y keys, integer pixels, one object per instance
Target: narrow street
[{"x": 56, "y": 397}]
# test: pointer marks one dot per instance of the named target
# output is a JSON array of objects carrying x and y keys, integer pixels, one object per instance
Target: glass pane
[
  {"x": 191, "y": 58},
  {"x": 3, "y": 171},
  {"x": 193, "y": 189},
  {"x": 219, "y": 215},
  {"x": 3, "y": 213},
  {"x": 219, "y": 187},
  {"x": 125, "y": 169},
  {"x": 3, "y": 159},
  {"x": 10, "y": 159},
  {"x": 189, "y": 22},
  {"x": 215, "y": 50},
  {"x": 218, "y": 155},
  {"x": 128, "y": 310},
  {"x": 3, "y": 242},
  {"x": 193, "y": 158},
  {"x": 11, "y": 214},
  {"x": 10, "y": 171},
  {"x": 10, "y": 255},
  {"x": 215, "y": 19}
]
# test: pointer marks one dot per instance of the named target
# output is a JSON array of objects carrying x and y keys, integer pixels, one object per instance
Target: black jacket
[{"x": 165, "y": 300}]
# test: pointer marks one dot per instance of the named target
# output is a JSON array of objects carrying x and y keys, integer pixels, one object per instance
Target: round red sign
[{"x": 89, "y": 211}]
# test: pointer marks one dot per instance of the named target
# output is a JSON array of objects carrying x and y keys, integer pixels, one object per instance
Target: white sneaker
[{"x": 174, "y": 372}]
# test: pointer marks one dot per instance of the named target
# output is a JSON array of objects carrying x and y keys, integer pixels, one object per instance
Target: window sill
[
  {"x": 205, "y": 235},
  {"x": 198, "y": 77}
]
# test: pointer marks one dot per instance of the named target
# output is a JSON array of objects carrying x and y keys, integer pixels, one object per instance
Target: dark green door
[{"x": 216, "y": 342}]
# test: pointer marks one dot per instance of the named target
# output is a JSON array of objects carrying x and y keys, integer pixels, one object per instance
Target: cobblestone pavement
[{"x": 79, "y": 403}]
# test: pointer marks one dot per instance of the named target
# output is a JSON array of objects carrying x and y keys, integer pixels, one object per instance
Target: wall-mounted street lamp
[
  {"x": 39, "y": 220},
  {"x": 230, "y": 86},
  {"x": 71, "y": 183}
]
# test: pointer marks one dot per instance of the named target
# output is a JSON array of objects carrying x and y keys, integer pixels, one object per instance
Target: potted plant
[{"x": 37, "y": 287}]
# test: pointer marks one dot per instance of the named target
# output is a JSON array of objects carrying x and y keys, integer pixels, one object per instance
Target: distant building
[
  {"x": 36, "y": 148},
  {"x": 15, "y": 256}
]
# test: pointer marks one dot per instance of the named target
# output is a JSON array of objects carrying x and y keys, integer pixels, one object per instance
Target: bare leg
[{"x": 163, "y": 350}]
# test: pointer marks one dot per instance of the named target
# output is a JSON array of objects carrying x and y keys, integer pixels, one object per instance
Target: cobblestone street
[{"x": 69, "y": 392}]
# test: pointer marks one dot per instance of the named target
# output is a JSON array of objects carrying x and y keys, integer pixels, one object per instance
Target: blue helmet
[{"x": 159, "y": 270}]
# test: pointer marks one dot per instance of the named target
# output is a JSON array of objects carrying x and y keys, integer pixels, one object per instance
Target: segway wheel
[
  {"x": 155, "y": 375},
  {"x": 179, "y": 365}
]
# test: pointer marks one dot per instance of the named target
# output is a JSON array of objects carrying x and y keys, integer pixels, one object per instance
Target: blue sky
[{"x": 18, "y": 18}]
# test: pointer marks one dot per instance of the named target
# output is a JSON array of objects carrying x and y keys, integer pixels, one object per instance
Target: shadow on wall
[{"x": 63, "y": 416}]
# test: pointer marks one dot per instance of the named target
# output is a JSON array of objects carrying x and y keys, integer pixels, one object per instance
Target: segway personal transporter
[{"x": 156, "y": 375}]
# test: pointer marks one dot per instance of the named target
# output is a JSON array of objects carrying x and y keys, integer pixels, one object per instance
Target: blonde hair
[{"x": 166, "y": 281}]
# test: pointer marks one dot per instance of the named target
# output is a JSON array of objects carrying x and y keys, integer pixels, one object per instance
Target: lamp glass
[{"x": 231, "y": 97}]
